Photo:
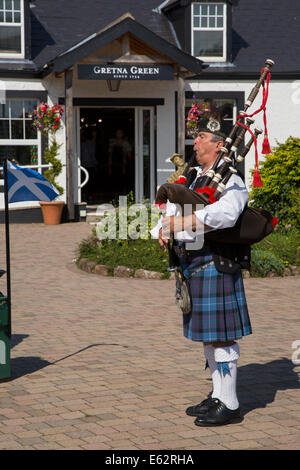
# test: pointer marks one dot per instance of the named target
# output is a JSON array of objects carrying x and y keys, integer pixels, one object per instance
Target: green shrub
[
  {"x": 140, "y": 219},
  {"x": 284, "y": 244},
  {"x": 140, "y": 253},
  {"x": 50, "y": 155},
  {"x": 280, "y": 173},
  {"x": 263, "y": 262}
]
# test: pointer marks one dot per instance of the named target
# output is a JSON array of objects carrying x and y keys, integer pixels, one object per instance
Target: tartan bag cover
[{"x": 219, "y": 308}]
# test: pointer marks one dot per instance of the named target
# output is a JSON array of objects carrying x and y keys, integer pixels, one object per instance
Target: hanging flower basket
[
  {"x": 48, "y": 119},
  {"x": 196, "y": 113}
]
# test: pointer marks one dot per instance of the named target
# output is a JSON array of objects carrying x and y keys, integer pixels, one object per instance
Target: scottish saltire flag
[{"x": 28, "y": 185}]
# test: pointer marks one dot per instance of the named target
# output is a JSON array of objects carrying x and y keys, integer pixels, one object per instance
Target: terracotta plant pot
[{"x": 52, "y": 212}]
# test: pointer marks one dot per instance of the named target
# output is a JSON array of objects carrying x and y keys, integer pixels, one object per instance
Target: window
[
  {"x": 19, "y": 140},
  {"x": 209, "y": 31},
  {"x": 217, "y": 101},
  {"x": 11, "y": 28}
]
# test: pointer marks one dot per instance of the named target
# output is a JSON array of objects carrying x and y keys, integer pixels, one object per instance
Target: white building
[{"x": 126, "y": 72}]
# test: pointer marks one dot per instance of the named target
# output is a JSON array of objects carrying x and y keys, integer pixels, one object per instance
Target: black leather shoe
[
  {"x": 218, "y": 414},
  {"x": 201, "y": 408}
]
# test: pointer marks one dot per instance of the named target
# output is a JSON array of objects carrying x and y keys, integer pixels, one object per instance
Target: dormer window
[
  {"x": 11, "y": 28},
  {"x": 209, "y": 31}
]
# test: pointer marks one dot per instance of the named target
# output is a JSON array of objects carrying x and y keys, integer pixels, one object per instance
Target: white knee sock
[
  {"x": 226, "y": 359},
  {"x": 209, "y": 353}
]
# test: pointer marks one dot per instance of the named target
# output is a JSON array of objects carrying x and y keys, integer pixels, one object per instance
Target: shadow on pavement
[
  {"x": 21, "y": 366},
  {"x": 258, "y": 383},
  {"x": 17, "y": 339}
]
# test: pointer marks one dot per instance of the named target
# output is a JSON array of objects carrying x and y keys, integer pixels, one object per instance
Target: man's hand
[
  {"x": 171, "y": 224},
  {"x": 177, "y": 224},
  {"x": 163, "y": 241}
]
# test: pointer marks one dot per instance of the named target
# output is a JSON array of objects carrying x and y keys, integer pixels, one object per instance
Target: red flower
[{"x": 55, "y": 127}]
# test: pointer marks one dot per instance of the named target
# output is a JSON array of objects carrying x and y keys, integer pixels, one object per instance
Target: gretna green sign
[{"x": 125, "y": 72}]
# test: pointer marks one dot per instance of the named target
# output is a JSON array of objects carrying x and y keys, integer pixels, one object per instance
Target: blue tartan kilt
[{"x": 219, "y": 308}]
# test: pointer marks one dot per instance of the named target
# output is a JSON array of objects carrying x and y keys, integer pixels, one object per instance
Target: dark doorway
[{"x": 107, "y": 153}]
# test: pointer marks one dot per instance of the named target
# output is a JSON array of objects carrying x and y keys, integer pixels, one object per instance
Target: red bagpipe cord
[
  {"x": 181, "y": 179},
  {"x": 257, "y": 182},
  {"x": 209, "y": 191},
  {"x": 162, "y": 205}
]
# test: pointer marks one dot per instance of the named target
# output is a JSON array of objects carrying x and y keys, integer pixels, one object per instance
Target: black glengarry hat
[{"x": 207, "y": 118}]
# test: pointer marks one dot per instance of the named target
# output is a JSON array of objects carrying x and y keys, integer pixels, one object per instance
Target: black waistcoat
[{"x": 228, "y": 258}]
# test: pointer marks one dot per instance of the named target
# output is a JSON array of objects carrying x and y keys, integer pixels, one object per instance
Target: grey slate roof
[
  {"x": 57, "y": 25},
  {"x": 260, "y": 29},
  {"x": 125, "y": 25},
  {"x": 264, "y": 29}
]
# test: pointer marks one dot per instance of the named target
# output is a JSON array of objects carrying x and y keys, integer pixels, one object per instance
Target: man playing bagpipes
[{"x": 218, "y": 314}]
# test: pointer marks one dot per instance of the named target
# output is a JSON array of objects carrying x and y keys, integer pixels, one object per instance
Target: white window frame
[
  {"x": 16, "y": 55},
  {"x": 224, "y": 29},
  {"x": 25, "y": 142}
]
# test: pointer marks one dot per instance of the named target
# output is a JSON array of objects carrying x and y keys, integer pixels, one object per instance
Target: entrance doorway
[{"x": 107, "y": 152}]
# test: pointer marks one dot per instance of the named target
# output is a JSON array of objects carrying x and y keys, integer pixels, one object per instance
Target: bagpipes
[{"x": 253, "y": 224}]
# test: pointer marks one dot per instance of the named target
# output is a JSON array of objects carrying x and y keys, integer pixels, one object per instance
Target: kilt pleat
[{"x": 219, "y": 308}]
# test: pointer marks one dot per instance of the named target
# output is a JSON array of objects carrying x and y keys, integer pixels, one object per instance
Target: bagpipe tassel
[
  {"x": 266, "y": 149},
  {"x": 274, "y": 222},
  {"x": 257, "y": 182}
]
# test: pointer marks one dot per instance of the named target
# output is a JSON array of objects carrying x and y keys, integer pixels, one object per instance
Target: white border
[
  {"x": 13, "y": 55},
  {"x": 208, "y": 58}
]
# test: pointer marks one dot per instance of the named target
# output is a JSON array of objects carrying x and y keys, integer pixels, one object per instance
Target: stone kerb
[
  {"x": 123, "y": 271},
  {"x": 120, "y": 271}
]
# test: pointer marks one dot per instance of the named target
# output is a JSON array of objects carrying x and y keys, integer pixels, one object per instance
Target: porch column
[
  {"x": 181, "y": 116},
  {"x": 69, "y": 143}
]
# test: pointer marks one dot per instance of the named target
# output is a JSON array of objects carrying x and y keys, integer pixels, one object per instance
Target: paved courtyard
[{"x": 101, "y": 363}]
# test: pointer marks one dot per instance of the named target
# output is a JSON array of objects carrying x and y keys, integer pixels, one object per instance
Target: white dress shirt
[{"x": 221, "y": 214}]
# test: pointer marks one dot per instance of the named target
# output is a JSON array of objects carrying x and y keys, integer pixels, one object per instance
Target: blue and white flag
[{"x": 28, "y": 185}]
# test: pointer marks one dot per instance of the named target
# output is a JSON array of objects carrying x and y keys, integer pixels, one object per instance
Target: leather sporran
[{"x": 182, "y": 293}]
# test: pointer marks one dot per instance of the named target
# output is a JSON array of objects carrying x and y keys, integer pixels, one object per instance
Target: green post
[
  {"x": 5, "y": 371},
  {"x": 5, "y": 301}
]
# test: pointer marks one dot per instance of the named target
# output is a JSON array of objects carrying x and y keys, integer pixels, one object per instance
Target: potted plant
[{"x": 47, "y": 119}]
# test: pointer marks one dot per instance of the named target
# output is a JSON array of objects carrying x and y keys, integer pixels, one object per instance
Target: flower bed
[{"x": 276, "y": 255}]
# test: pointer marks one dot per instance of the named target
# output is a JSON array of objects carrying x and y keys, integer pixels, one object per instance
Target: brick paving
[{"x": 101, "y": 363}]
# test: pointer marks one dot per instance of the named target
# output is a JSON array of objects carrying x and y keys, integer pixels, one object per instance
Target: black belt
[{"x": 181, "y": 251}]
